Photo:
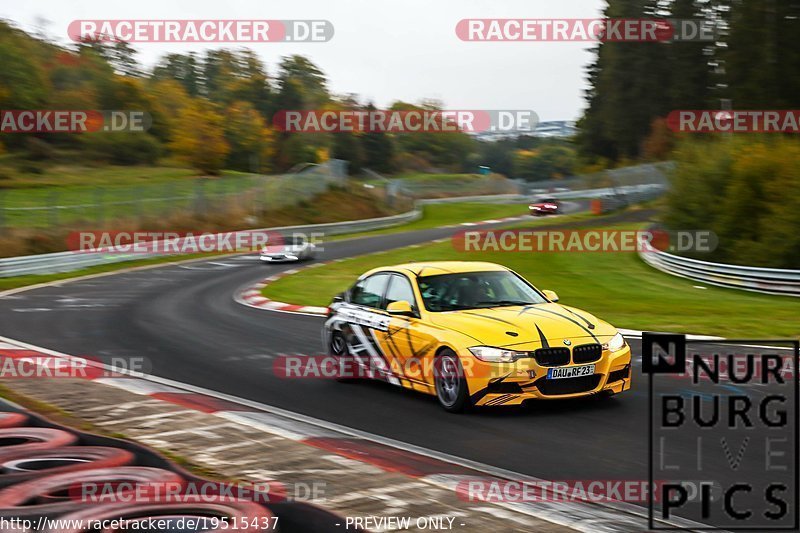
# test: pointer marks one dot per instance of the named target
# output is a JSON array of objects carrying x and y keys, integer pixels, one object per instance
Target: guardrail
[{"x": 765, "y": 280}]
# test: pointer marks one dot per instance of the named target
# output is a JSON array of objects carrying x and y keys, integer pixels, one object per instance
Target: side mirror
[
  {"x": 338, "y": 298},
  {"x": 401, "y": 308},
  {"x": 550, "y": 295}
]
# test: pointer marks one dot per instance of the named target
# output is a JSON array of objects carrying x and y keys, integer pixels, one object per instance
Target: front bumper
[{"x": 513, "y": 383}]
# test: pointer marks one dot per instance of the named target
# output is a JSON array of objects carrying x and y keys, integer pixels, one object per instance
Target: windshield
[
  {"x": 476, "y": 290},
  {"x": 293, "y": 240}
]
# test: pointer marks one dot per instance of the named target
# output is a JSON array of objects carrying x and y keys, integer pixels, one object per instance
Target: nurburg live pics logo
[{"x": 723, "y": 412}]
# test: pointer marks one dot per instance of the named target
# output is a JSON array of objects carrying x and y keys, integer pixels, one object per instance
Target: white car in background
[{"x": 293, "y": 248}]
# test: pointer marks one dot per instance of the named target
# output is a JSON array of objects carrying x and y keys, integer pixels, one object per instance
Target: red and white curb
[
  {"x": 429, "y": 466},
  {"x": 252, "y": 296}
]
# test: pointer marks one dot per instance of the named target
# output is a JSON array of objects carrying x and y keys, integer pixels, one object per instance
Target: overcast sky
[{"x": 383, "y": 50}]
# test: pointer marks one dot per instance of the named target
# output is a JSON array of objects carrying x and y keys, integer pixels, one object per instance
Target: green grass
[
  {"x": 453, "y": 213},
  {"x": 437, "y": 215},
  {"x": 62, "y": 172},
  {"x": 617, "y": 287},
  {"x": 423, "y": 176},
  {"x": 68, "y": 175},
  {"x": 119, "y": 192},
  {"x": 426, "y": 185}
]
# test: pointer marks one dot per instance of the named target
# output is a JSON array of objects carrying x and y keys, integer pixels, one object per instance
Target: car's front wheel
[
  {"x": 450, "y": 382},
  {"x": 346, "y": 363}
]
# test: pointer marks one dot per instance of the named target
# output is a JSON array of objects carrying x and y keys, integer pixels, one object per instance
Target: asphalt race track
[{"x": 185, "y": 320}]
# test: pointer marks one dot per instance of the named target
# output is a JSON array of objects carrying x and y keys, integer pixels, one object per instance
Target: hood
[{"x": 554, "y": 322}]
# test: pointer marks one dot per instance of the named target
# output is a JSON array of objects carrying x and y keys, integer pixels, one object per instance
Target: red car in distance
[{"x": 544, "y": 206}]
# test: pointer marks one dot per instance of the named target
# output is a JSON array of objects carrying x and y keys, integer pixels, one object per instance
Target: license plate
[{"x": 570, "y": 372}]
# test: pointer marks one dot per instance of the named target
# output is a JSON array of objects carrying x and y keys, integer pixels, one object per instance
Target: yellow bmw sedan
[{"x": 472, "y": 334}]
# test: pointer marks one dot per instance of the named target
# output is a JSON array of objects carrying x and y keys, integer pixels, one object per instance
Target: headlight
[
  {"x": 617, "y": 342},
  {"x": 494, "y": 355}
]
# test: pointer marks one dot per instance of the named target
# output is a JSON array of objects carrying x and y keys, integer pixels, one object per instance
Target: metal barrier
[{"x": 765, "y": 280}]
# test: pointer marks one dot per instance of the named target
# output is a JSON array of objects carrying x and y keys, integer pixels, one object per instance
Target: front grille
[
  {"x": 556, "y": 387},
  {"x": 552, "y": 356},
  {"x": 619, "y": 375},
  {"x": 587, "y": 353}
]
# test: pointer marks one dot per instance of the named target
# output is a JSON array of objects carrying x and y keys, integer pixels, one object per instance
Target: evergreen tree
[
  {"x": 762, "y": 57},
  {"x": 689, "y": 62},
  {"x": 378, "y": 149},
  {"x": 182, "y": 68}
]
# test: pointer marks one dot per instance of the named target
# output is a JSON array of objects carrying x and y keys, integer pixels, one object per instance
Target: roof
[{"x": 432, "y": 268}]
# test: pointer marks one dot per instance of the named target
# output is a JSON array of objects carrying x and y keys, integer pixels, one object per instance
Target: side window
[
  {"x": 369, "y": 291},
  {"x": 400, "y": 289}
]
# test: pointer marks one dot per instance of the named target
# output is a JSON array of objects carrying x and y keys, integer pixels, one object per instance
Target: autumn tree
[
  {"x": 249, "y": 138},
  {"x": 199, "y": 137},
  {"x": 659, "y": 143},
  {"x": 552, "y": 160},
  {"x": 185, "y": 69}
]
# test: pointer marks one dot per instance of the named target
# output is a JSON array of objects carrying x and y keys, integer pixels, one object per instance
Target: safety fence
[{"x": 248, "y": 194}]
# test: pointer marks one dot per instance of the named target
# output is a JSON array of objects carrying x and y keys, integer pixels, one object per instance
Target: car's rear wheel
[
  {"x": 450, "y": 382},
  {"x": 346, "y": 363}
]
